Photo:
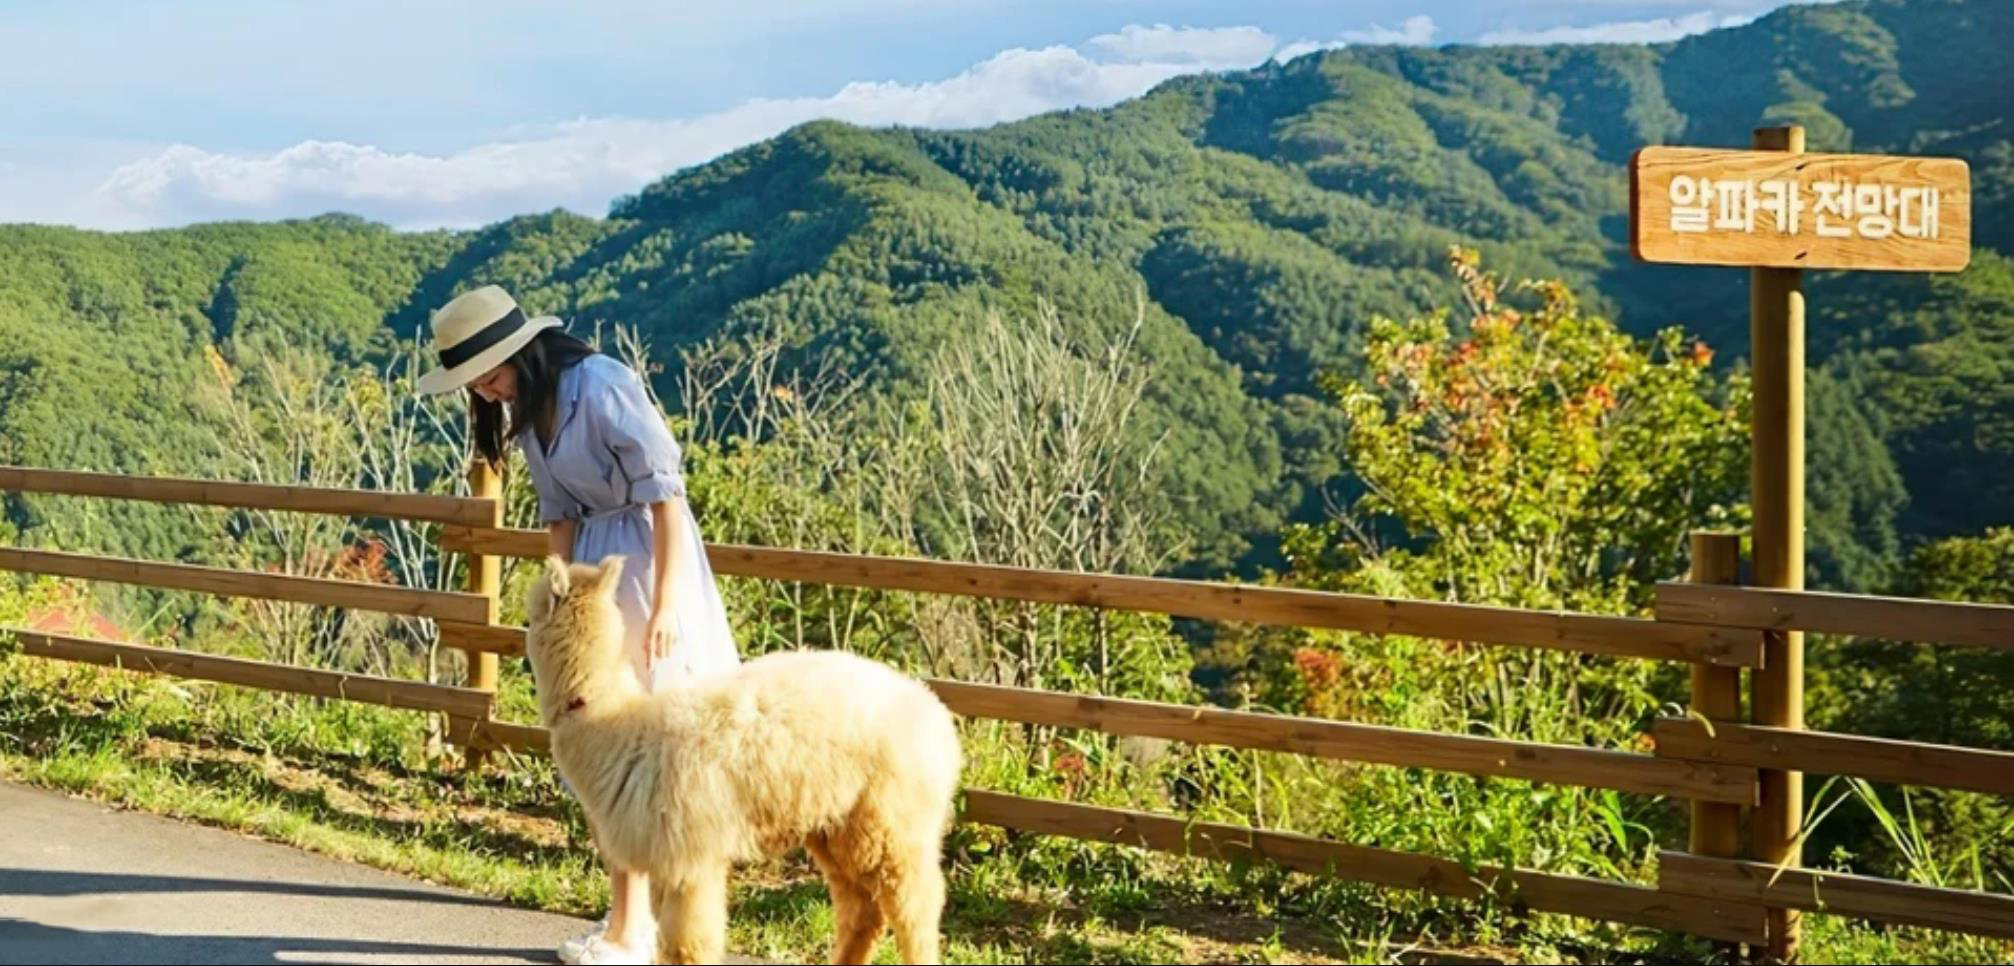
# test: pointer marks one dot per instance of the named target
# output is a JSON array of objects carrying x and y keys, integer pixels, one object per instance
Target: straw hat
[{"x": 474, "y": 333}]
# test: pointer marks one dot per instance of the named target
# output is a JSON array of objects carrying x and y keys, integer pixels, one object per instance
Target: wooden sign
[{"x": 1776, "y": 209}]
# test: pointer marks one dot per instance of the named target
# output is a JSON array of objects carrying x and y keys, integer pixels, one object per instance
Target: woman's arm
[
  {"x": 559, "y": 538},
  {"x": 648, "y": 458},
  {"x": 668, "y": 528}
]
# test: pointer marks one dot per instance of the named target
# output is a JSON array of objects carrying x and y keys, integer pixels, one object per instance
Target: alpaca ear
[
  {"x": 557, "y": 575},
  {"x": 611, "y": 573}
]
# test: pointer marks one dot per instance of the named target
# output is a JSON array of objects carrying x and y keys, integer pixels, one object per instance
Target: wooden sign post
[{"x": 1778, "y": 211}]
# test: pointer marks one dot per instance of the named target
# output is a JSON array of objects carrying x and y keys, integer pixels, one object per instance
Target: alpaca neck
[{"x": 600, "y": 681}]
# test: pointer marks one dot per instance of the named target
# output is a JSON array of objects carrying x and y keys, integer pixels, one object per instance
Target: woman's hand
[{"x": 663, "y": 638}]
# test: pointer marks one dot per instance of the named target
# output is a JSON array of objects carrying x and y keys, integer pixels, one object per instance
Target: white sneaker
[
  {"x": 573, "y": 949},
  {"x": 601, "y": 952}
]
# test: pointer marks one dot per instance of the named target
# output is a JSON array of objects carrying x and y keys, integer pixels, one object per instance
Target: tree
[
  {"x": 1929, "y": 692},
  {"x": 1032, "y": 460},
  {"x": 1854, "y": 491},
  {"x": 293, "y": 416},
  {"x": 1535, "y": 456},
  {"x": 1526, "y": 454},
  {"x": 1919, "y": 691}
]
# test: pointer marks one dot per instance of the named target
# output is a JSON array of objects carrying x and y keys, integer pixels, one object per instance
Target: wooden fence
[{"x": 1710, "y": 757}]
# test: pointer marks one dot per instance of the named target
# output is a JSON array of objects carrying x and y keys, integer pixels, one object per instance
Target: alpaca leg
[
  {"x": 856, "y": 918},
  {"x": 692, "y": 917},
  {"x": 913, "y": 898}
]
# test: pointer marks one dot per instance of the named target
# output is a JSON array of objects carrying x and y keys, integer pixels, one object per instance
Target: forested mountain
[{"x": 1252, "y": 221}]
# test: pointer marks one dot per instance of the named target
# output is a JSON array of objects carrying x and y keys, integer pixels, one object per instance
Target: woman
[{"x": 608, "y": 481}]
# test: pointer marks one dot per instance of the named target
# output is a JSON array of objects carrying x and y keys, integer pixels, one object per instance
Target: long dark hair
[{"x": 538, "y": 365}]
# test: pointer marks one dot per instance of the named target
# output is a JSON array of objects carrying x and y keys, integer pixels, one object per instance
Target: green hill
[{"x": 1263, "y": 215}]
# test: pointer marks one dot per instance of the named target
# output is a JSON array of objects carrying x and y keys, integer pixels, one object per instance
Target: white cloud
[
  {"x": 54, "y": 180},
  {"x": 1417, "y": 31},
  {"x": 1622, "y": 32},
  {"x": 583, "y": 164},
  {"x": 1239, "y": 46}
]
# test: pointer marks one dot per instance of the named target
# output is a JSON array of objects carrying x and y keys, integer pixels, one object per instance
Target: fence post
[
  {"x": 1716, "y": 695},
  {"x": 1776, "y": 354},
  {"x": 485, "y": 578}
]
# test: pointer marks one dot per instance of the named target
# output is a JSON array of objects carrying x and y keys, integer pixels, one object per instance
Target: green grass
[{"x": 351, "y": 782}]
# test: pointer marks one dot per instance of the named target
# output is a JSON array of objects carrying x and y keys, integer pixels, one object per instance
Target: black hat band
[{"x": 489, "y": 335}]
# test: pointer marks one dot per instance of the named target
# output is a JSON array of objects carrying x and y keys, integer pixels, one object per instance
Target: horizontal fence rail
[
  {"x": 494, "y": 735},
  {"x": 355, "y": 594},
  {"x": 1585, "y": 633},
  {"x": 1959, "y": 910},
  {"x": 250, "y": 496},
  {"x": 410, "y": 695},
  {"x": 1898, "y": 618},
  {"x": 1875, "y": 759},
  {"x": 1373, "y": 744},
  {"x": 483, "y": 638},
  {"x": 1537, "y": 891},
  {"x": 1369, "y": 744}
]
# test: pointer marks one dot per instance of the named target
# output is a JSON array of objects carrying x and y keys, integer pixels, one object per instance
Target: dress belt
[{"x": 588, "y": 516}]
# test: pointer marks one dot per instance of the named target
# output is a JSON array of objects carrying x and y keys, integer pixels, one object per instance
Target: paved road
[{"x": 82, "y": 884}]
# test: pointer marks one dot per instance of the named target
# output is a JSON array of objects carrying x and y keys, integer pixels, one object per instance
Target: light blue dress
[{"x": 609, "y": 458}]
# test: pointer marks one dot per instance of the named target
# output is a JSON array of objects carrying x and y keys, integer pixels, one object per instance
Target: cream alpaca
[{"x": 854, "y": 761}]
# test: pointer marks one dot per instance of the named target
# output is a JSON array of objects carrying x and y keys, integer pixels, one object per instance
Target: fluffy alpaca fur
[{"x": 847, "y": 757}]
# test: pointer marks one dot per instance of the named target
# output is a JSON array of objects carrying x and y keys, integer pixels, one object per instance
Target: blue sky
[{"x": 420, "y": 113}]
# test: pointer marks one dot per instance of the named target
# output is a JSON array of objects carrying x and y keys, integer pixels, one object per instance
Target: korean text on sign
[{"x": 1839, "y": 208}]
